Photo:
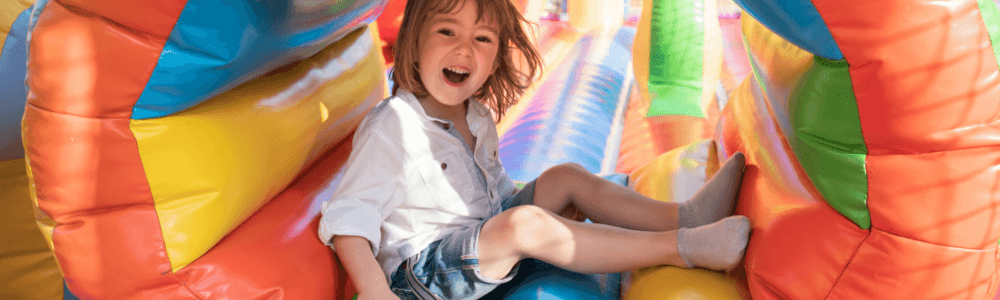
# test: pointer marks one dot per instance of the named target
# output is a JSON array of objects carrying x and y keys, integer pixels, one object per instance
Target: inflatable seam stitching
[{"x": 849, "y": 261}]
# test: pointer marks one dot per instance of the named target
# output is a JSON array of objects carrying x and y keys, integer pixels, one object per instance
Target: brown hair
[{"x": 505, "y": 86}]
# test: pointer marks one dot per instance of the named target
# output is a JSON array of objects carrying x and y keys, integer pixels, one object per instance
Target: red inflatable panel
[
  {"x": 902, "y": 268},
  {"x": 76, "y": 67},
  {"x": 116, "y": 206},
  {"x": 917, "y": 185},
  {"x": 926, "y": 81},
  {"x": 64, "y": 181},
  {"x": 157, "y": 20},
  {"x": 275, "y": 254},
  {"x": 775, "y": 246},
  {"x": 84, "y": 160}
]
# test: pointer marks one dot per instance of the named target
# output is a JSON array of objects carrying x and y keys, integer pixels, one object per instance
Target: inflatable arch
[{"x": 181, "y": 150}]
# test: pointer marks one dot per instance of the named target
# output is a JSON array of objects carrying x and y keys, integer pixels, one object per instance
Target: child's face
[{"x": 456, "y": 54}]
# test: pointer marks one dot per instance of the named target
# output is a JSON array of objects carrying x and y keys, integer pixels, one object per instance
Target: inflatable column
[
  {"x": 29, "y": 269},
  {"x": 870, "y": 129},
  {"x": 181, "y": 149}
]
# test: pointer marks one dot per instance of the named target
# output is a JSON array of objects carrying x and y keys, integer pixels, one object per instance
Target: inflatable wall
[
  {"x": 180, "y": 149},
  {"x": 870, "y": 131}
]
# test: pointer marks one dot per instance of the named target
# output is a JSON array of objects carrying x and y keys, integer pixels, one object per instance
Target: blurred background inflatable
[
  {"x": 181, "y": 149},
  {"x": 677, "y": 64}
]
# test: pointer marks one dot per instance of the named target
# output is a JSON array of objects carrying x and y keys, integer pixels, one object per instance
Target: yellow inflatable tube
[{"x": 212, "y": 166}]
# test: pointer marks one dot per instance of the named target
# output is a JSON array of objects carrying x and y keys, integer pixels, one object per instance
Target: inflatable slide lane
[{"x": 574, "y": 115}]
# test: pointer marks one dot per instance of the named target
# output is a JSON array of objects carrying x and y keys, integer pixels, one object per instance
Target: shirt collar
[{"x": 475, "y": 115}]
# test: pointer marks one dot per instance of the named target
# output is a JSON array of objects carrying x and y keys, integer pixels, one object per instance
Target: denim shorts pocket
[
  {"x": 420, "y": 291},
  {"x": 442, "y": 278}
]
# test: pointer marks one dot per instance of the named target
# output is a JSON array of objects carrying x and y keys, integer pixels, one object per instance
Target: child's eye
[
  {"x": 484, "y": 39},
  {"x": 446, "y": 32}
]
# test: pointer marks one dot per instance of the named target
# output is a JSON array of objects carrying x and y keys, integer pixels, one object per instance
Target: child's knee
[
  {"x": 530, "y": 227},
  {"x": 566, "y": 173}
]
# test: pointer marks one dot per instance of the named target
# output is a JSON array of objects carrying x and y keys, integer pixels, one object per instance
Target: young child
[{"x": 426, "y": 211}]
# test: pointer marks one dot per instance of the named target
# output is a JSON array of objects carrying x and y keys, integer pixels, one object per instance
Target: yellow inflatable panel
[
  {"x": 29, "y": 269},
  {"x": 212, "y": 166},
  {"x": 673, "y": 283},
  {"x": 773, "y": 54},
  {"x": 685, "y": 169}
]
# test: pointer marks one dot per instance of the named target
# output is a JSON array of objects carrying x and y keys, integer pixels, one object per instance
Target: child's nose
[{"x": 464, "y": 48}]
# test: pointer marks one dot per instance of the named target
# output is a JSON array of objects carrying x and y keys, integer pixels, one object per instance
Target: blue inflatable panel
[
  {"x": 217, "y": 45},
  {"x": 538, "y": 280},
  {"x": 570, "y": 116},
  {"x": 13, "y": 91},
  {"x": 67, "y": 294},
  {"x": 797, "y": 21}
]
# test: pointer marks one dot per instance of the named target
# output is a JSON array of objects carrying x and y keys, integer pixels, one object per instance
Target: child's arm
[{"x": 355, "y": 254}]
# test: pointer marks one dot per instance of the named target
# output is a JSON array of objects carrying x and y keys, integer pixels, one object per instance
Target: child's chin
[{"x": 451, "y": 99}]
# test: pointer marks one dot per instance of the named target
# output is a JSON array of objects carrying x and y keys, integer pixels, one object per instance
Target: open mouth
[{"x": 455, "y": 76}]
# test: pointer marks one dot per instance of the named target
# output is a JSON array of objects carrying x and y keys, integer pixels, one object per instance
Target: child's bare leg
[
  {"x": 604, "y": 202},
  {"x": 530, "y": 231}
]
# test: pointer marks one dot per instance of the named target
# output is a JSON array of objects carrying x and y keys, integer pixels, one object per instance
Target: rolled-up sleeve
[{"x": 366, "y": 194}]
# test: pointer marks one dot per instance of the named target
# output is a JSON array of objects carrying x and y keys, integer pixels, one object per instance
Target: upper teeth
[{"x": 459, "y": 71}]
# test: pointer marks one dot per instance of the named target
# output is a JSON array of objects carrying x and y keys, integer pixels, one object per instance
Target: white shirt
[{"x": 409, "y": 182}]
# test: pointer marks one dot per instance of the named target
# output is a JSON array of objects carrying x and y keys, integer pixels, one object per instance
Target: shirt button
[{"x": 444, "y": 166}]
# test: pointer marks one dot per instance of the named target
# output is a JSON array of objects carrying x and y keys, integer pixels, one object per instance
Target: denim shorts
[{"x": 449, "y": 268}]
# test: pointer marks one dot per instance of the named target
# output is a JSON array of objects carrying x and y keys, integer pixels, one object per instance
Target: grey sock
[
  {"x": 717, "y": 198},
  {"x": 717, "y": 246}
]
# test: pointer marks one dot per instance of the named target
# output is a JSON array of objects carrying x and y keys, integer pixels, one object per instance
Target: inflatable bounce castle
[{"x": 181, "y": 149}]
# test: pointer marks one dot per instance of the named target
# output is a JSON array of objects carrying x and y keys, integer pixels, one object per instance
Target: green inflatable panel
[
  {"x": 676, "y": 50},
  {"x": 827, "y": 138}
]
